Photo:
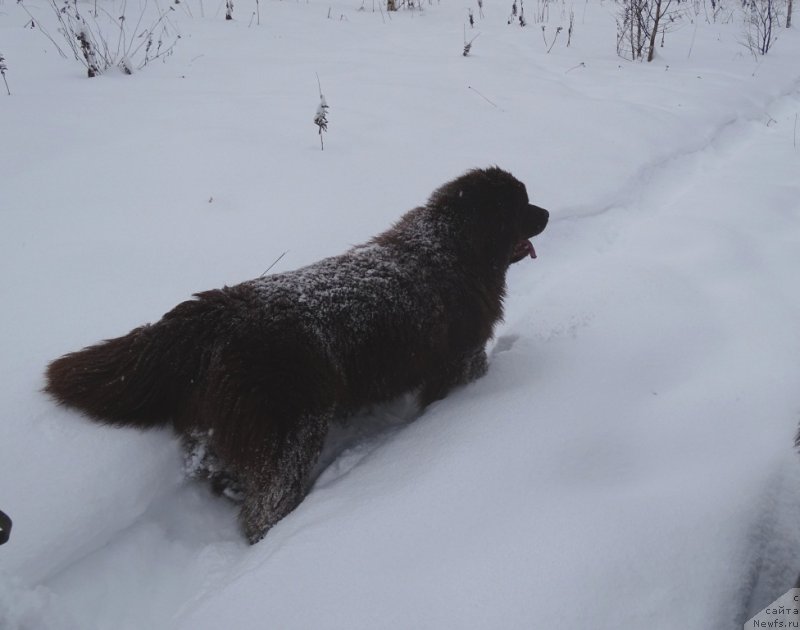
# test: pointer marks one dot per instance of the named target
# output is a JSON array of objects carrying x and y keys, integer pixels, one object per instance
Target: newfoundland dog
[{"x": 259, "y": 369}]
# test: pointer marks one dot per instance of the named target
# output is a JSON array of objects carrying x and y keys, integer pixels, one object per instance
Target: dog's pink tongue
[{"x": 529, "y": 249}]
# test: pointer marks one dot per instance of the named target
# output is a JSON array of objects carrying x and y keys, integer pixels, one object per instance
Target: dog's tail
[{"x": 140, "y": 379}]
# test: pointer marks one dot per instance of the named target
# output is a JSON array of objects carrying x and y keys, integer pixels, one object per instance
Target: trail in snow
[
  {"x": 772, "y": 557},
  {"x": 672, "y": 174}
]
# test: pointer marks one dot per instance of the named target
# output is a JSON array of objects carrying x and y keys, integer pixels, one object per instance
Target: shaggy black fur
[{"x": 262, "y": 367}]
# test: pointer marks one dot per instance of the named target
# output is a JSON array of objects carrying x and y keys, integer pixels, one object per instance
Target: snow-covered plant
[
  {"x": 321, "y": 115},
  {"x": 321, "y": 119},
  {"x": 468, "y": 44},
  {"x": 513, "y": 15},
  {"x": 100, "y": 39},
  {"x": 87, "y": 49},
  {"x": 3, "y": 69}
]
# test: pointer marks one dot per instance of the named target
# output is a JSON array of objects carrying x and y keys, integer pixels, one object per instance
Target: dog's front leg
[
  {"x": 465, "y": 369},
  {"x": 281, "y": 483}
]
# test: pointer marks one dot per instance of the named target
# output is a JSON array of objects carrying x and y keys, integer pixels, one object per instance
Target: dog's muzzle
[{"x": 534, "y": 222}]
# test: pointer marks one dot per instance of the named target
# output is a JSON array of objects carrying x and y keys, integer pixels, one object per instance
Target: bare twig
[
  {"x": 42, "y": 30},
  {"x": 691, "y": 46},
  {"x": 275, "y": 262},
  {"x": 493, "y": 104},
  {"x": 571, "y": 27},
  {"x": 558, "y": 30}
]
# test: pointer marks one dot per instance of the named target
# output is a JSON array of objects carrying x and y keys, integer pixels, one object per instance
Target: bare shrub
[
  {"x": 100, "y": 39},
  {"x": 639, "y": 24},
  {"x": 761, "y": 21}
]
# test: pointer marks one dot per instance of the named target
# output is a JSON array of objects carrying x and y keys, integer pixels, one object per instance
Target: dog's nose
[
  {"x": 540, "y": 211},
  {"x": 539, "y": 217}
]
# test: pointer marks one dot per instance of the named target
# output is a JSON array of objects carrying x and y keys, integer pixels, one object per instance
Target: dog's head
[{"x": 491, "y": 212}]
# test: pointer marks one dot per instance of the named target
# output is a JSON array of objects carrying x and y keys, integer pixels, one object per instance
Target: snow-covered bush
[{"x": 99, "y": 38}]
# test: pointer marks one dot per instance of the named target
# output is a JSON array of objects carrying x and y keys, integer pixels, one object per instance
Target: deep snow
[{"x": 626, "y": 463}]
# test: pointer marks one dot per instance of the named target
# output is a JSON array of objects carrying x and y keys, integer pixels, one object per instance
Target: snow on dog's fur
[{"x": 260, "y": 369}]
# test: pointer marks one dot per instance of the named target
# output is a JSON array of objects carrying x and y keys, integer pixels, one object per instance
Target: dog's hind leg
[
  {"x": 202, "y": 463},
  {"x": 279, "y": 484}
]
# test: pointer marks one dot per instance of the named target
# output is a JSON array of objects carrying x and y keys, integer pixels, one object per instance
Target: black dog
[
  {"x": 5, "y": 528},
  {"x": 262, "y": 367}
]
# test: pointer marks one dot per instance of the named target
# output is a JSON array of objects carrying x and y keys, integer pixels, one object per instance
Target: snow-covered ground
[{"x": 626, "y": 463}]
